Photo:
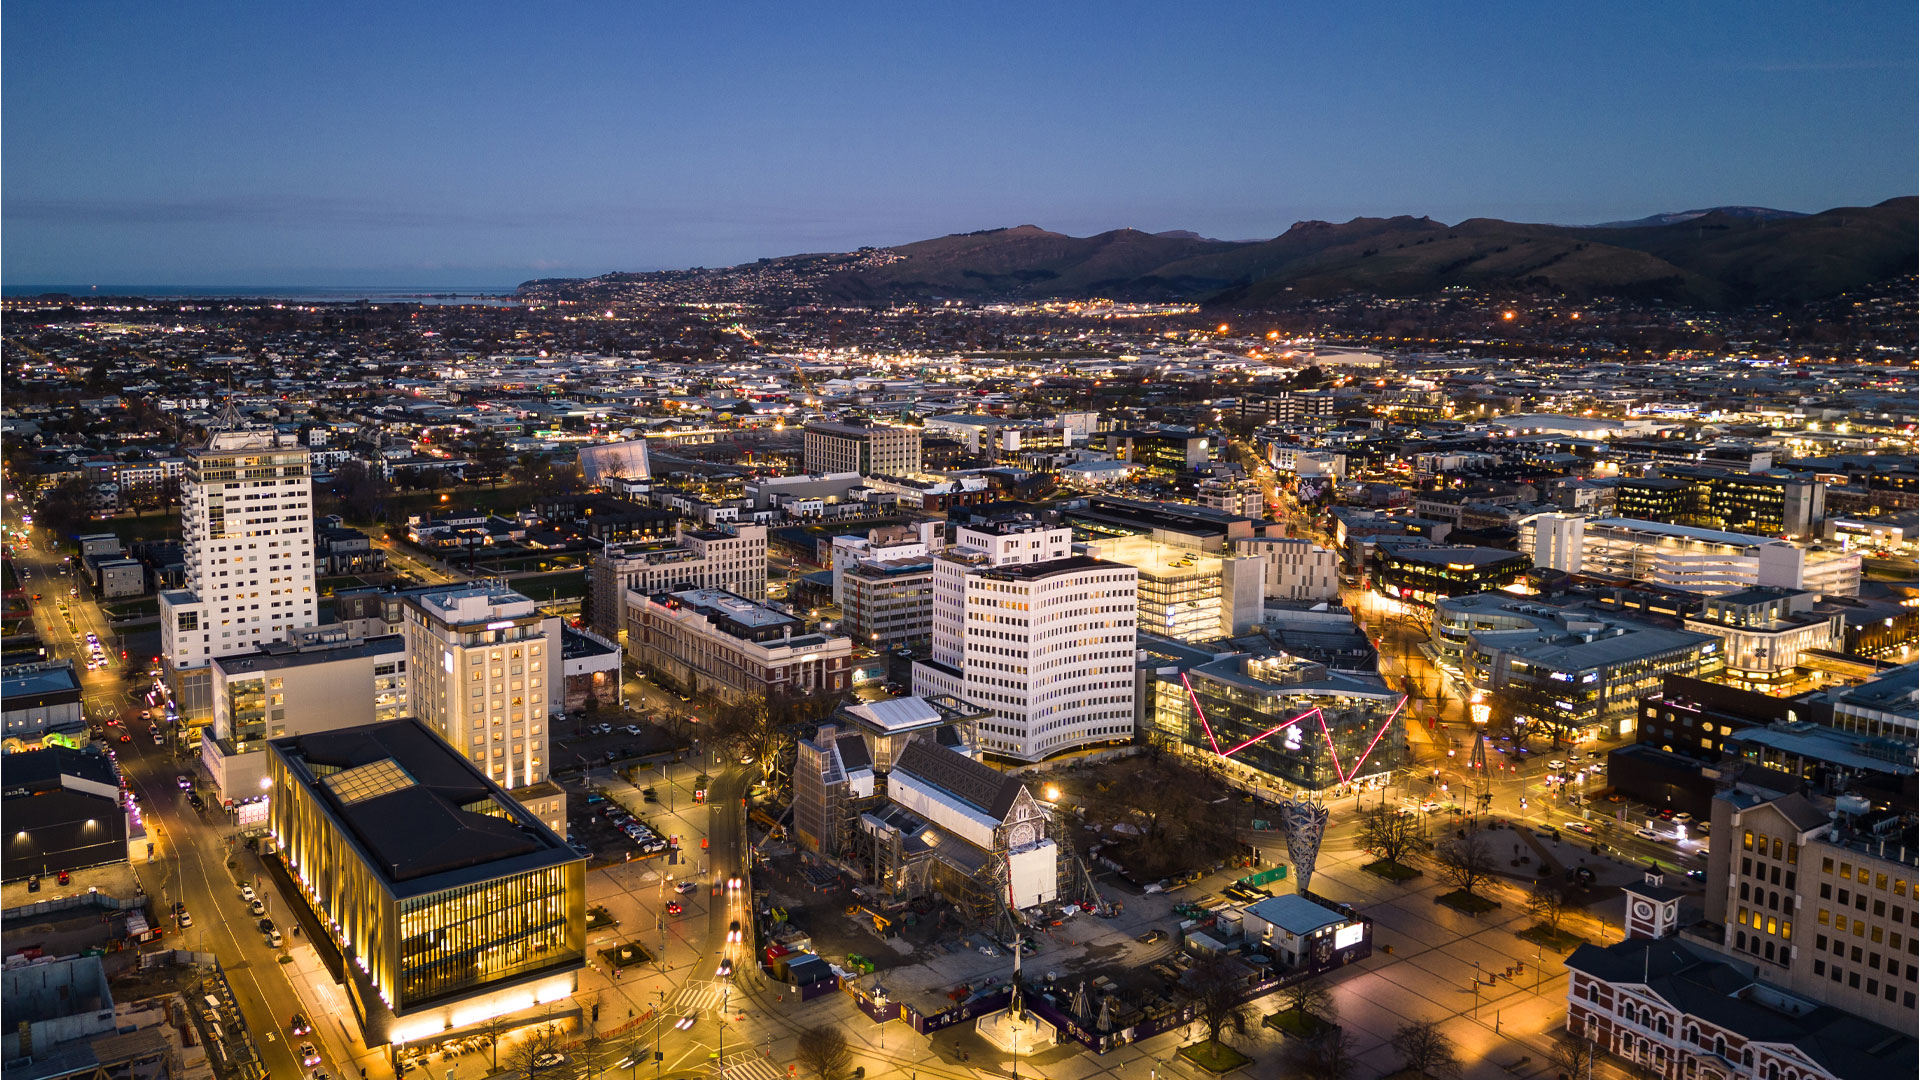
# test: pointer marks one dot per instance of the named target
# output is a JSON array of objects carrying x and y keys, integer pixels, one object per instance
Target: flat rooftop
[
  {"x": 386, "y": 645},
  {"x": 732, "y": 605},
  {"x": 421, "y": 816}
]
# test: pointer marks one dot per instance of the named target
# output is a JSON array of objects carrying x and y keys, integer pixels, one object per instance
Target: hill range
[{"x": 1720, "y": 258}]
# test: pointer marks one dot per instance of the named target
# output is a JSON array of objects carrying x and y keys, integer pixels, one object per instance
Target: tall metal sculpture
[{"x": 1306, "y": 825}]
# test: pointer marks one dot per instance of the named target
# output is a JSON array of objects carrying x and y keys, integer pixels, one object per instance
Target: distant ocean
[{"x": 498, "y": 295}]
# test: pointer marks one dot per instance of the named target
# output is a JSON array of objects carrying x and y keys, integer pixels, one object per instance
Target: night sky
[{"x": 478, "y": 144}]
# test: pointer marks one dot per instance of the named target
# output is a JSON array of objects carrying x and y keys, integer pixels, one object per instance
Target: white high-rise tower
[
  {"x": 1041, "y": 636},
  {"x": 247, "y": 527}
]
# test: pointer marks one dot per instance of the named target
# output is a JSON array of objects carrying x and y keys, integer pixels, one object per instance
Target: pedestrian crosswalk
[
  {"x": 698, "y": 995},
  {"x": 751, "y": 1067}
]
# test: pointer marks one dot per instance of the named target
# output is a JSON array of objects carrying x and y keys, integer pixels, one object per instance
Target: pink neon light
[
  {"x": 1335, "y": 754},
  {"x": 1377, "y": 734},
  {"x": 1271, "y": 731},
  {"x": 1202, "y": 713}
]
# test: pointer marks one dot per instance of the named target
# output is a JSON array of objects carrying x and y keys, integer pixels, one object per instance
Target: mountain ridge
[{"x": 1716, "y": 258}]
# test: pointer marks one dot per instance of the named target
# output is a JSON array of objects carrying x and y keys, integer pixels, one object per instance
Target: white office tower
[
  {"x": 1043, "y": 638},
  {"x": 247, "y": 529},
  {"x": 479, "y": 658}
]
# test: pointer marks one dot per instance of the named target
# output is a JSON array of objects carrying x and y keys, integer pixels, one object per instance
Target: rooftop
[
  {"x": 1295, "y": 913},
  {"x": 421, "y": 815},
  {"x": 282, "y": 659}
]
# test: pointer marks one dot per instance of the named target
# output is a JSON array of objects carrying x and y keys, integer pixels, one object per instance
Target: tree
[
  {"x": 360, "y": 489},
  {"x": 1548, "y": 902},
  {"x": 1466, "y": 861},
  {"x": 1329, "y": 1057},
  {"x": 1219, "y": 984},
  {"x": 824, "y": 1051},
  {"x": 1573, "y": 1056},
  {"x": 1309, "y": 997},
  {"x": 527, "y": 1057},
  {"x": 1426, "y": 1050},
  {"x": 1392, "y": 835}
]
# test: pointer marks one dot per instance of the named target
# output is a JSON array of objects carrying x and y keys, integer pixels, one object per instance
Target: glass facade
[
  {"x": 481, "y": 934},
  {"x": 1278, "y": 721},
  {"x": 1422, "y": 576}
]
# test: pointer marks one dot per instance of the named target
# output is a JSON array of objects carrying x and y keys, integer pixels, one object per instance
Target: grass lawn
[
  {"x": 1460, "y": 900},
  {"x": 552, "y": 586},
  {"x": 627, "y": 955},
  {"x": 124, "y": 608},
  {"x": 1392, "y": 871},
  {"x": 1298, "y": 1024},
  {"x": 1559, "y": 940},
  {"x": 153, "y": 526},
  {"x": 330, "y": 585},
  {"x": 1215, "y": 1057}
]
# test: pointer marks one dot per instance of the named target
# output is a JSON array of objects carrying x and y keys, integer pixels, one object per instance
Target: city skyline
[{"x": 181, "y": 148}]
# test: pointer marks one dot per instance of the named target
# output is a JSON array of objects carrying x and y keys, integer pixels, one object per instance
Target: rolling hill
[{"x": 1729, "y": 256}]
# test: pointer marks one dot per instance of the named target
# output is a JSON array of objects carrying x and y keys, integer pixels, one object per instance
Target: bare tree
[
  {"x": 1329, "y": 1057},
  {"x": 1465, "y": 862},
  {"x": 1392, "y": 835},
  {"x": 534, "y": 1058},
  {"x": 1309, "y": 997},
  {"x": 1427, "y": 1050},
  {"x": 1548, "y": 902},
  {"x": 1219, "y": 986},
  {"x": 1574, "y": 1057},
  {"x": 824, "y": 1051}
]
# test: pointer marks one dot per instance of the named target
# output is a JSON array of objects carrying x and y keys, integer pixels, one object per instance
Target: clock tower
[{"x": 1653, "y": 910}]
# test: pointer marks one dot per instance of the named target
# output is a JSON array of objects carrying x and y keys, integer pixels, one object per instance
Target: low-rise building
[
  {"x": 1422, "y": 575},
  {"x": 1296, "y": 570},
  {"x": 1767, "y": 632},
  {"x": 711, "y": 641},
  {"x": 731, "y": 559},
  {"x": 64, "y": 811},
  {"x": 40, "y": 699}
]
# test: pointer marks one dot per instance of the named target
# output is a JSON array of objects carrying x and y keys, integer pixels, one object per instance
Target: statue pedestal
[{"x": 1026, "y": 1035}]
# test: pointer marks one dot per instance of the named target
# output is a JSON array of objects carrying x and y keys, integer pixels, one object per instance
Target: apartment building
[
  {"x": 867, "y": 449},
  {"x": 732, "y": 559},
  {"x": 717, "y": 643},
  {"x": 247, "y": 523},
  {"x": 1040, "y": 636}
]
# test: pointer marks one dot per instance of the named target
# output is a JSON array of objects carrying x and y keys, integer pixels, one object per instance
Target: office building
[
  {"x": 1886, "y": 706},
  {"x": 1287, "y": 407},
  {"x": 1160, "y": 450},
  {"x": 247, "y": 521},
  {"x": 1759, "y": 504},
  {"x": 479, "y": 658},
  {"x": 715, "y": 643},
  {"x": 284, "y": 689},
  {"x": 1768, "y": 632},
  {"x": 1242, "y": 498},
  {"x": 867, "y": 449},
  {"x": 40, "y": 699},
  {"x": 889, "y": 543},
  {"x": 1423, "y": 574},
  {"x": 1706, "y": 561},
  {"x": 1297, "y": 571},
  {"x": 1188, "y": 595},
  {"x": 1817, "y": 890},
  {"x": 887, "y": 603},
  {"x": 448, "y": 902},
  {"x": 732, "y": 559},
  {"x": 1571, "y": 671},
  {"x": 1676, "y": 1010},
  {"x": 1042, "y": 637},
  {"x": 1277, "y": 723},
  {"x": 1182, "y": 525}
]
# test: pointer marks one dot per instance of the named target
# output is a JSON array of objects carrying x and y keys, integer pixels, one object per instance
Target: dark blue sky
[{"x": 478, "y": 143}]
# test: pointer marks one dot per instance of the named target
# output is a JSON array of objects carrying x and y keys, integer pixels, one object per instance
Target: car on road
[
  {"x": 247, "y": 894},
  {"x": 726, "y": 967},
  {"x": 1682, "y": 818},
  {"x": 308, "y": 1054},
  {"x": 1577, "y": 826},
  {"x": 1556, "y": 764},
  {"x": 1546, "y": 832},
  {"x": 733, "y": 883},
  {"x": 159, "y": 739},
  {"x": 673, "y": 907},
  {"x": 126, "y": 737},
  {"x": 733, "y": 931},
  {"x": 549, "y": 1059},
  {"x": 632, "y": 1058},
  {"x": 299, "y": 1025},
  {"x": 685, "y": 887},
  {"x": 256, "y": 908},
  {"x": 319, "y": 1074},
  {"x": 1645, "y": 833},
  {"x": 1430, "y": 806}
]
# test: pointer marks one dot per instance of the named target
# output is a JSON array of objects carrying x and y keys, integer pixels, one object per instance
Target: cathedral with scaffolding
[{"x": 894, "y": 794}]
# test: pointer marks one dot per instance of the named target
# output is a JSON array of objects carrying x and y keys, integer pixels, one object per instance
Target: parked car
[
  {"x": 256, "y": 908},
  {"x": 247, "y": 894}
]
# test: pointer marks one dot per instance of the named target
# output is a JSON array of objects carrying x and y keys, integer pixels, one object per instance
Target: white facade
[
  {"x": 1044, "y": 639},
  {"x": 881, "y": 545},
  {"x": 1681, "y": 557},
  {"x": 479, "y": 660},
  {"x": 731, "y": 559},
  {"x": 247, "y": 529},
  {"x": 1297, "y": 570}
]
